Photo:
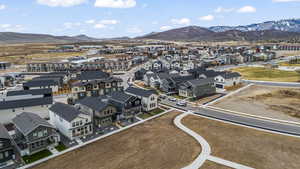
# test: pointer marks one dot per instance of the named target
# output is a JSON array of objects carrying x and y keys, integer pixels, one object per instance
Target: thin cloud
[
  {"x": 61, "y": 3},
  {"x": 247, "y": 9},
  {"x": 207, "y": 18},
  {"x": 115, "y": 3},
  {"x": 182, "y": 21},
  {"x": 2, "y": 6}
]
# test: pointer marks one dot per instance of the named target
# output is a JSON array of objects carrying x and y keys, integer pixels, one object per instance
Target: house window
[
  {"x": 6, "y": 154},
  {"x": 34, "y": 134},
  {"x": 45, "y": 132},
  {"x": 40, "y": 134}
]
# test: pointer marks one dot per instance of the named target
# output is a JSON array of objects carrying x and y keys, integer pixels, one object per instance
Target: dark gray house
[
  {"x": 7, "y": 150},
  {"x": 171, "y": 85},
  {"x": 197, "y": 88},
  {"x": 33, "y": 134}
]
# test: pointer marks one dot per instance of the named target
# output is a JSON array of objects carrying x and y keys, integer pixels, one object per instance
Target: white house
[
  {"x": 70, "y": 121},
  {"x": 227, "y": 80},
  {"x": 148, "y": 97}
]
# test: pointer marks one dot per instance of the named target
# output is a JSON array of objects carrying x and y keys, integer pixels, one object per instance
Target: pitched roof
[
  {"x": 3, "y": 132},
  {"x": 27, "y": 122},
  {"x": 212, "y": 73},
  {"x": 94, "y": 103},
  {"x": 140, "y": 92},
  {"x": 230, "y": 75},
  {"x": 29, "y": 92},
  {"x": 40, "y": 82},
  {"x": 25, "y": 103},
  {"x": 119, "y": 96},
  {"x": 92, "y": 75},
  {"x": 65, "y": 111}
]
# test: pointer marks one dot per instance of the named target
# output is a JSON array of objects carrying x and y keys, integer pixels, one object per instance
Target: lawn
[
  {"x": 289, "y": 64},
  {"x": 155, "y": 144},
  {"x": 37, "y": 156},
  {"x": 151, "y": 113},
  {"x": 266, "y": 74},
  {"x": 60, "y": 147},
  {"x": 254, "y": 148}
]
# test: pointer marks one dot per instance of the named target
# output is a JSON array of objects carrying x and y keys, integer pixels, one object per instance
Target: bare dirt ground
[
  {"x": 272, "y": 102},
  {"x": 207, "y": 99},
  {"x": 156, "y": 144},
  {"x": 212, "y": 165},
  {"x": 247, "y": 146}
]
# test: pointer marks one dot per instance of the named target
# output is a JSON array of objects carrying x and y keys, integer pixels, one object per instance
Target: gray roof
[
  {"x": 196, "y": 82},
  {"x": 119, "y": 97},
  {"x": 230, "y": 75},
  {"x": 29, "y": 92},
  {"x": 27, "y": 122},
  {"x": 40, "y": 82},
  {"x": 65, "y": 111},
  {"x": 92, "y": 75},
  {"x": 94, "y": 103},
  {"x": 140, "y": 92},
  {"x": 25, "y": 103},
  {"x": 3, "y": 132}
]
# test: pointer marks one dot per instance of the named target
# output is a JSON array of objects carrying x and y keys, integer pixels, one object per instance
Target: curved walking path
[
  {"x": 205, "y": 152},
  {"x": 205, "y": 148}
]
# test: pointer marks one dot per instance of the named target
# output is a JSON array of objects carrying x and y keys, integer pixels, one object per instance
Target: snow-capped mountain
[{"x": 288, "y": 25}]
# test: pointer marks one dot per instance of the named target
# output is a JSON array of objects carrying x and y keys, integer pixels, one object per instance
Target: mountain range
[{"x": 271, "y": 30}]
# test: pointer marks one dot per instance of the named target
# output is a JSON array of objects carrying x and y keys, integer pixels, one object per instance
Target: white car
[
  {"x": 172, "y": 99},
  {"x": 181, "y": 103}
]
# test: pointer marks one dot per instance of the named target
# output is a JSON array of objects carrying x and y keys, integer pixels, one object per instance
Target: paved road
[
  {"x": 279, "y": 84},
  {"x": 237, "y": 119}
]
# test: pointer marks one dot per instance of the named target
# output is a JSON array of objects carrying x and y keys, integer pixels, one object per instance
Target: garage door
[{"x": 219, "y": 86}]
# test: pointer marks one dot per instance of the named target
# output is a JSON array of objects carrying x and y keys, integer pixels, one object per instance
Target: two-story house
[
  {"x": 103, "y": 113},
  {"x": 7, "y": 149},
  {"x": 33, "y": 134},
  {"x": 148, "y": 97},
  {"x": 227, "y": 79},
  {"x": 128, "y": 106},
  {"x": 197, "y": 88},
  {"x": 41, "y": 84},
  {"x": 71, "y": 122}
]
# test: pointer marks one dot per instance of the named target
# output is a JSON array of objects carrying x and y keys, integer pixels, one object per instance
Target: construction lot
[
  {"x": 156, "y": 144},
  {"x": 273, "y": 102},
  {"x": 250, "y": 147}
]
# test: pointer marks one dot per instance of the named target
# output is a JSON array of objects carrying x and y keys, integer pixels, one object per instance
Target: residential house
[
  {"x": 148, "y": 97},
  {"x": 103, "y": 112},
  {"x": 227, "y": 79},
  {"x": 33, "y": 133},
  {"x": 7, "y": 149},
  {"x": 4, "y": 65},
  {"x": 71, "y": 122},
  {"x": 80, "y": 90},
  {"x": 197, "y": 88},
  {"x": 127, "y": 105},
  {"x": 18, "y": 101},
  {"x": 171, "y": 84},
  {"x": 48, "y": 67}
]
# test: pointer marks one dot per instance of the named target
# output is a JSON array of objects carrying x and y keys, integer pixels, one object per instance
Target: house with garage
[
  {"x": 70, "y": 121},
  {"x": 7, "y": 148},
  {"x": 227, "y": 79},
  {"x": 103, "y": 112},
  {"x": 33, "y": 133},
  {"x": 148, "y": 97},
  {"x": 197, "y": 88},
  {"x": 171, "y": 84}
]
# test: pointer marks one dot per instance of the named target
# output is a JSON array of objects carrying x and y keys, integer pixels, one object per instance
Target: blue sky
[{"x": 115, "y": 18}]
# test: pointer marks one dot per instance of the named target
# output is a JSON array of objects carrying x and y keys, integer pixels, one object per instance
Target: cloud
[
  {"x": 207, "y": 18},
  {"x": 70, "y": 25},
  {"x": 11, "y": 28},
  {"x": 247, "y": 9},
  {"x": 61, "y": 3},
  {"x": 91, "y": 21},
  {"x": 286, "y": 0},
  {"x": 223, "y": 10},
  {"x": 182, "y": 21},
  {"x": 164, "y": 28},
  {"x": 115, "y": 3},
  {"x": 2, "y": 6},
  {"x": 109, "y": 22},
  {"x": 134, "y": 30},
  {"x": 99, "y": 26}
]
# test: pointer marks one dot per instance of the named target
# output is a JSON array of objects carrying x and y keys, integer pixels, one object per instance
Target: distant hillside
[
  {"x": 288, "y": 25},
  {"x": 12, "y": 37},
  {"x": 195, "y": 33}
]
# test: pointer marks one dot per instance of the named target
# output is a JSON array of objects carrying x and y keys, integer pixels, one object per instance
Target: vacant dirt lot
[
  {"x": 246, "y": 146},
  {"x": 156, "y": 144},
  {"x": 212, "y": 165},
  {"x": 273, "y": 102}
]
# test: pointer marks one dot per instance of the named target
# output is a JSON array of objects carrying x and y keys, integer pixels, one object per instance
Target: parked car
[
  {"x": 172, "y": 99},
  {"x": 181, "y": 103},
  {"x": 162, "y": 97}
]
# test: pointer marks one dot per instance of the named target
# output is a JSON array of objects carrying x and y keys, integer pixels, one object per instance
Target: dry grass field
[
  {"x": 156, "y": 144},
  {"x": 267, "y": 74},
  {"x": 272, "y": 102},
  {"x": 212, "y": 165},
  {"x": 246, "y": 146}
]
